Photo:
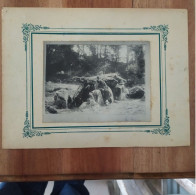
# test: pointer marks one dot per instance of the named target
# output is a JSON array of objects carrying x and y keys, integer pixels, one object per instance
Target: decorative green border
[
  {"x": 90, "y": 33},
  {"x": 29, "y": 29}
]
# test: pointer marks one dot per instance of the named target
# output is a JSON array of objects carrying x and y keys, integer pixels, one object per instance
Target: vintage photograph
[{"x": 94, "y": 82}]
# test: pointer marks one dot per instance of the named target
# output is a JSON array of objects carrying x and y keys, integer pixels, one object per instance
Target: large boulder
[
  {"x": 107, "y": 95},
  {"x": 89, "y": 104},
  {"x": 106, "y": 83},
  {"x": 111, "y": 82},
  {"x": 83, "y": 93},
  {"x": 51, "y": 109},
  {"x": 59, "y": 101},
  {"x": 136, "y": 92},
  {"x": 120, "y": 92},
  {"x": 97, "y": 95}
]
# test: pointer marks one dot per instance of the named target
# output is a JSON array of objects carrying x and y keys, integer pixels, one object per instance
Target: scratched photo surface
[{"x": 96, "y": 82}]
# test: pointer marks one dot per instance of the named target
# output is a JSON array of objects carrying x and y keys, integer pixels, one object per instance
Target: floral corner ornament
[
  {"x": 165, "y": 130},
  {"x": 164, "y": 29},
  {"x": 27, "y": 28},
  {"x": 28, "y": 132}
]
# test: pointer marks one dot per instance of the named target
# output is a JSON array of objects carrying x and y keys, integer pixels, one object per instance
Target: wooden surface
[{"x": 98, "y": 163}]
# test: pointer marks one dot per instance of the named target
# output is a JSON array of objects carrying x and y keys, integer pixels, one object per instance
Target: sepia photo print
[{"x": 94, "y": 82}]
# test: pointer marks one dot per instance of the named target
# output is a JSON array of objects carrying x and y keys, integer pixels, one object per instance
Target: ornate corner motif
[
  {"x": 165, "y": 130},
  {"x": 28, "y": 132},
  {"x": 164, "y": 29},
  {"x": 27, "y": 28},
  {"x": 31, "y": 133},
  {"x": 26, "y": 123}
]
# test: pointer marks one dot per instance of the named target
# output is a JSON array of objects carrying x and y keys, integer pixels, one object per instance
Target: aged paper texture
[{"x": 76, "y": 78}]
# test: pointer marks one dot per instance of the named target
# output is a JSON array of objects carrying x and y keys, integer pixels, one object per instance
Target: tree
[{"x": 115, "y": 56}]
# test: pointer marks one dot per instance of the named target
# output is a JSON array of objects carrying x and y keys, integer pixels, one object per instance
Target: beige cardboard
[{"x": 174, "y": 82}]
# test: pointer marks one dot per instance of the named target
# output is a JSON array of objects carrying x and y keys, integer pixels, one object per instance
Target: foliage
[{"x": 66, "y": 61}]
